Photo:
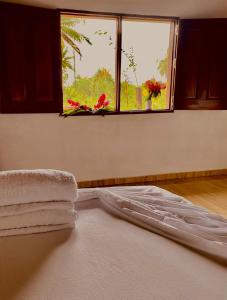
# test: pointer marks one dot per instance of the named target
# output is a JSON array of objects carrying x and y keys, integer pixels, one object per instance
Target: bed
[{"x": 106, "y": 258}]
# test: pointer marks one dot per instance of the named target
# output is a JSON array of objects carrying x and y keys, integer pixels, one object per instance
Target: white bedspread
[
  {"x": 106, "y": 258},
  {"x": 167, "y": 214}
]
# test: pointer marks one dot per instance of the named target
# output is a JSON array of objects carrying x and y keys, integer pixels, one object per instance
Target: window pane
[
  {"x": 145, "y": 64},
  {"x": 88, "y": 61}
]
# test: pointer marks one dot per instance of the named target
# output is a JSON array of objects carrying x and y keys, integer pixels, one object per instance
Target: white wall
[{"x": 96, "y": 147}]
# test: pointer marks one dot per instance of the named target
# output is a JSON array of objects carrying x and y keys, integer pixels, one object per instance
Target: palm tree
[
  {"x": 70, "y": 38},
  {"x": 66, "y": 63}
]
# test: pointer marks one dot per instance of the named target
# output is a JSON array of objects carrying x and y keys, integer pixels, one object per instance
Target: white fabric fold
[
  {"x": 38, "y": 218},
  {"x": 35, "y": 229},
  {"x": 19, "y": 209},
  {"x": 27, "y": 186},
  {"x": 166, "y": 214}
]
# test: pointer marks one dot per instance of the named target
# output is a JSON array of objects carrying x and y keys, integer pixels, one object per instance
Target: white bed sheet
[{"x": 106, "y": 258}]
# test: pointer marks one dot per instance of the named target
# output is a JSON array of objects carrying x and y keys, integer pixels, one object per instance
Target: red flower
[
  {"x": 154, "y": 88},
  {"x": 97, "y": 106},
  {"x": 102, "y": 98},
  {"x": 149, "y": 84},
  {"x": 106, "y": 103},
  {"x": 102, "y": 102},
  {"x": 73, "y": 103},
  {"x": 163, "y": 86}
]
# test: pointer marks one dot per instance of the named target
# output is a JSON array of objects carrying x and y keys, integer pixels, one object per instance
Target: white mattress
[{"x": 105, "y": 259}]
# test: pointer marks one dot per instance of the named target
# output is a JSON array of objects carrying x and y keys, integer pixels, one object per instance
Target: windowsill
[{"x": 131, "y": 112}]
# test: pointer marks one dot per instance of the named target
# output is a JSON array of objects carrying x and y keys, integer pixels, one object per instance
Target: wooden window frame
[
  {"x": 200, "y": 100},
  {"x": 173, "y": 42},
  {"x": 40, "y": 95}
]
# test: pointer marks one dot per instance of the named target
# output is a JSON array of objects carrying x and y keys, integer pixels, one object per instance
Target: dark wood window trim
[
  {"x": 30, "y": 59},
  {"x": 173, "y": 55},
  {"x": 201, "y": 65}
]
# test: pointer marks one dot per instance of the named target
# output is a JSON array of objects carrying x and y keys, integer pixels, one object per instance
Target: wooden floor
[{"x": 209, "y": 192}]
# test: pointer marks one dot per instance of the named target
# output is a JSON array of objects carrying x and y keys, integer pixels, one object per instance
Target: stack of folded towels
[{"x": 33, "y": 201}]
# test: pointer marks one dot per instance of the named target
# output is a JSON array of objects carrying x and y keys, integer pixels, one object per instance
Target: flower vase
[{"x": 148, "y": 104}]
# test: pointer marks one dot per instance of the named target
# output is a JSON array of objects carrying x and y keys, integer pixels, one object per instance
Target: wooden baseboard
[{"x": 149, "y": 178}]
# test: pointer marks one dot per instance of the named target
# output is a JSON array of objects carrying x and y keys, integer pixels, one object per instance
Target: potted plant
[{"x": 153, "y": 88}]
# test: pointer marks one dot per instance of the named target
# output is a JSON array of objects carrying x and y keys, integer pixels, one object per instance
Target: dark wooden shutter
[
  {"x": 202, "y": 65},
  {"x": 30, "y": 59}
]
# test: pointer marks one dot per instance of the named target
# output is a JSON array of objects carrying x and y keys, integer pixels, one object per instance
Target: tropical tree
[
  {"x": 163, "y": 65},
  {"x": 66, "y": 63},
  {"x": 103, "y": 74},
  {"x": 70, "y": 38}
]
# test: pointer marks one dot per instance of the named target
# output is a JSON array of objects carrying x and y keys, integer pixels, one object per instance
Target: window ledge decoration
[
  {"x": 153, "y": 89},
  {"x": 74, "y": 108}
]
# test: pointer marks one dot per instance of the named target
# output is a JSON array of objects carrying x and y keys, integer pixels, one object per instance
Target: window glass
[
  {"x": 100, "y": 76},
  {"x": 145, "y": 64},
  {"x": 88, "y": 62}
]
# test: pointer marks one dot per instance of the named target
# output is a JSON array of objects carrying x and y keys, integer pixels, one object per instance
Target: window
[
  {"x": 117, "y": 64},
  {"x": 108, "y": 63},
  {"x": 88, "y": 56}
]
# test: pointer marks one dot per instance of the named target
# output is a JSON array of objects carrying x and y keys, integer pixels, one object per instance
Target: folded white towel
[
  {"x": 38, "y": 218},
  {"x": 27, "y": 186},
  {"x": 34, "y": 229},
  {"x": 19, "y": 209}
]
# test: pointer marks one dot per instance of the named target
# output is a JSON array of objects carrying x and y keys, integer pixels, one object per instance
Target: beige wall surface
[{"x": 96, "y": 147}]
